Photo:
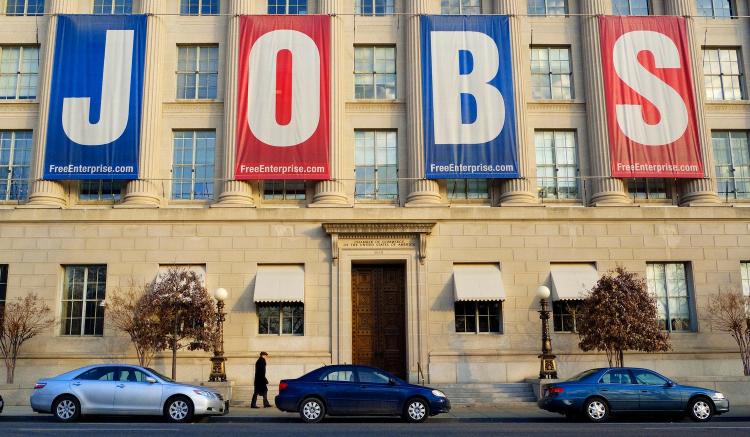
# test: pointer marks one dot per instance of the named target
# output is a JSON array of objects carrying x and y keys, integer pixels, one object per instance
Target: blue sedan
[
  {"x": 598, "y": 393},
  {"x": 348, "y": 390}
]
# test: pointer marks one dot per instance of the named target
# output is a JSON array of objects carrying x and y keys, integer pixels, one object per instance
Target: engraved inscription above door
[{"x": 378, "y": 317}]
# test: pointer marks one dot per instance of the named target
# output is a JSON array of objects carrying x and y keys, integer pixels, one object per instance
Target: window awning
[
  {"x": 280, "y": 283},
  {"x": 572, "y": 281},
  {"x": 478, "y": 282}
]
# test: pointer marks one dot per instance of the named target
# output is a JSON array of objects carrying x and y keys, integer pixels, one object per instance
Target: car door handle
[
  {"x": 120, "y": 385},
  {"x": 76, "y": 384},
  {"x": 644, "y": 391},
  {"x": 362, "y": 386},
  {"x": 604, "y": 389}
]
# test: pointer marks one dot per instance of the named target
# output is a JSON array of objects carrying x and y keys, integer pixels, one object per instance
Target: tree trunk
[
  {"x": 174, "y": 353},
  {"x": 620, "y": 359},
  {"x": 10, "y": 370}
]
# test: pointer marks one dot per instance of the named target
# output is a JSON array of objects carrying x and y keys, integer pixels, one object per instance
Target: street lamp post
[
  {"x": 548, "y": 366},
  {"x": 218, "y": 370}
]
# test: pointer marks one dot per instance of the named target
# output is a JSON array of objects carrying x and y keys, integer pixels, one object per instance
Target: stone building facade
[{"x": 351, "y": 242}]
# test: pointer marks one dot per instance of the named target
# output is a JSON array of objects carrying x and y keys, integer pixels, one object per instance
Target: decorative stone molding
[
  {"x": 194, "y": 107},
  {"x": 379, "y": 236},
  {"x": 376, "y": 107}
]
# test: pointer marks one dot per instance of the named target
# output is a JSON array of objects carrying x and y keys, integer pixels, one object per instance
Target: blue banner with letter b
[
  {"x": 96, "y": 96},
  {"x": 467, "y": 87}
]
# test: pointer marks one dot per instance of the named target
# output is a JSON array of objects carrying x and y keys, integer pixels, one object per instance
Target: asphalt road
[{"x": 146, "y": 427}]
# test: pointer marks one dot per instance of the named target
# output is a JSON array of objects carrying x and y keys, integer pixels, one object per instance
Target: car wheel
[
  {"x": 701, "y": 409},
  {"x": 312, "y": 410},
  {"x": 596, "y": 410},
  {"x": 416, "y": 410},
  {"x": 179, "y": 409},
  {"x": 66, "y": 409}
]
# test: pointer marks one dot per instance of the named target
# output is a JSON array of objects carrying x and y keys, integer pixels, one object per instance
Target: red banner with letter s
[
  {"x": 648, "y": 84},
  {"x": 283, "y": 98}
]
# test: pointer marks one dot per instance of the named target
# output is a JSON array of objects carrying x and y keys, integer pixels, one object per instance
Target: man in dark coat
[{"x": 260, "y": 383}]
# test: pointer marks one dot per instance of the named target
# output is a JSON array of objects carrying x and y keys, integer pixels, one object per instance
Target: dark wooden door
[{"x": 378, "y": 317}]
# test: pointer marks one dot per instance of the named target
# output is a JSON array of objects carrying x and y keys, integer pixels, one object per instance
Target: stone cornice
[
  {"x": 375, "y": 106},
  {"x": 405, "y": 230}
]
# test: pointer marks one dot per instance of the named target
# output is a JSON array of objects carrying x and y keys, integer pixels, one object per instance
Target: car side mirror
[
  {"x": 150, "y": 380},
  {"x": 669, "y": 384},
  {"x": 391, "y": 381}
]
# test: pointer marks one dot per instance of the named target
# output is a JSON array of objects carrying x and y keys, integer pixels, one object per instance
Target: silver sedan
[{"x": 121, "y": 389}]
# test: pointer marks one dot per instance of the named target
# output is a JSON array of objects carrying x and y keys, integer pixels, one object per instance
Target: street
[{"x": 521, "y": 422}]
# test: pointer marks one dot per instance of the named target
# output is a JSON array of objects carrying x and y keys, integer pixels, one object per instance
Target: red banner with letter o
[
  {"x": 648, "y": 84},
  {"x": 283, "y": 98}
]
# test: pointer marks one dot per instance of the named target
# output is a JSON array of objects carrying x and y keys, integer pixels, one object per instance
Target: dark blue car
[
  {"x": 349, "y": 390},
  {"x": 598, "y": 393}
]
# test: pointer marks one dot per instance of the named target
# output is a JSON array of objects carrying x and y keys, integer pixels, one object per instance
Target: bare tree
[
  {"x": 22, "y": 320},
  {"x": 730, "y": 312},
  {"x": 128, "y": 312},
  {"x": 619, "y": 314},
  {"x": 183, "y": 311}
]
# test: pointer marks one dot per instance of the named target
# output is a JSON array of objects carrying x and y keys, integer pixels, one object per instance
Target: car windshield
[
  {"x": 160, "y": 375},
  {"x": 583, "y": 375}
]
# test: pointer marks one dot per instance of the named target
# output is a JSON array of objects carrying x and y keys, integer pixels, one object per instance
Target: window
[
  {"x": 722, "y": 74},
  {"x": 193, "y": 165},
  {"x": 3, "y": 287},
  {"x": 113, "y": 7},
  {"x": 338, "y": 376},
  {"x": 551, "y": 73},
  {"x": 668, "y": 282},
  {"x": 468, "y": 189},
  {"x": 284, "y": 190},
  {"x": 129, "y": 374},
  {"x": 744, "y": 272},
  {"x": 288, "y": 7},
  {"x": 15, "y": 159},
  {"x": 374, "y": 7},
  {"x": 463, "y": 7},
  {"x": 100, "y": 191},
  {"x": 372, "y": 376},
  {"x": 556, "y": 164},
  {"x": 83, "y": 292},
  {"x": 98, "y": 374},
  {"x": 648, "y": 378},
  {"x": 631, "y": 7},
  {"x": 19, "y": 72},
  {"x": 197, "y": 72},
  {"x": 281, "y": 319},
  {"x": 24, "y": 7},
  {"x": 548, "y": 7},
  {"x": 617, "y": 376},
  {"x": 376, "y": 165},
  {"x": 565, "y": 315},
  {"x": 375, "y": 73},
  {"x": 732, "y": 156},
  {"x": 199, "y": 7},
  {"x": 715, "y": 8},
  {"x": 477, "y": 317},
  {"x": 645, "y": 188}
]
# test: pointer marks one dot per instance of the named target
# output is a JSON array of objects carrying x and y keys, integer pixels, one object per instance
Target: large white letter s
[
  {"x": 115, "y": 101},
  {"x": 671, "y": 106}
]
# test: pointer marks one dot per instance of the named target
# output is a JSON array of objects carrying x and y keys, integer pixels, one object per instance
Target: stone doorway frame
[{"x": 380, "y": 242}]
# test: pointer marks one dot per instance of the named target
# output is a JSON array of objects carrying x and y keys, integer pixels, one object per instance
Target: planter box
[{"x": 15, "y": 394}]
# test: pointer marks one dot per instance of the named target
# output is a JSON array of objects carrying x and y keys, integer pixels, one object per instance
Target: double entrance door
[{"x": 379, "y": 317}]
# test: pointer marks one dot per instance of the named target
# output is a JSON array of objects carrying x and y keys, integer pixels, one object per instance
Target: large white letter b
[
  {"x": 113, "y": 116},
  {"x": 449, "y": 84}
]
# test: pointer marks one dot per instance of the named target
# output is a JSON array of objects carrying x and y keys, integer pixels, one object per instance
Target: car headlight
[
  {"x": 718, "y": 395},
  {"x": 205, "y": 394},
  {"x": 438, "y": 393}
]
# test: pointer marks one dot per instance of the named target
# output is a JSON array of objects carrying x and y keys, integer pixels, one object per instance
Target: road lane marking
[{"x": 94, "y": 429}]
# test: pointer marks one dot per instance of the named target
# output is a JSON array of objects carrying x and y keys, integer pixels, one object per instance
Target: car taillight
[
  {"x": 283, "y": 385},
  {"x": 556, "y": 390},
  {"x": 40, "y": 385}
]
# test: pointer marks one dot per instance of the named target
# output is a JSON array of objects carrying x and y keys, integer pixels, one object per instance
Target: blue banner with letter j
[
  {"x": 467, "y": 87},
  {"x": 94, "y": 122}
]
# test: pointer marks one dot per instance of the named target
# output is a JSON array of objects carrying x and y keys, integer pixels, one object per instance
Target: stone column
[
  {"x": 520, "y": 191},
  {"x": 46, "y": 194},
  {"x": 234, "y": 193},
  {"x": 697, "y": 191},
  {"x": 422, "y": 192},
  {"x": 604, "y": 189},
  {"x": 144, "y": 191},
  {"x": 333, "y": 192}
]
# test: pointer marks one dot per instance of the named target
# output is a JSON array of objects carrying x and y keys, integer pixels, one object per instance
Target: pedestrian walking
[{"x": 260, "y": 383}]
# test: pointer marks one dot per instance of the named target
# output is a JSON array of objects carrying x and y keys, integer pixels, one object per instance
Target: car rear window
[
  {"x": 583, "y": 375},
  {"x": 338, "y": 376}
]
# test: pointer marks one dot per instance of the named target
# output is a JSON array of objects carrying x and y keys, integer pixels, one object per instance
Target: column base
[
  {"x": 519, "y": 198},
  {"x": 330, "y": 194},
  {"x": 140, "y": 194},
  {"x": 236, "y": 194},
  {"x": 699, "y": 192},
  {"x": 611, "y": 192},
  {"x": 424, "y": 193},
  {"x": 46, "y": 194}
]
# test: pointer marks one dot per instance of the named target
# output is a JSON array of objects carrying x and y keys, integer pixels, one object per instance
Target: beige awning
[
  {"x": 280, "y": 283},
  {"x": 572, "y": 281},
  {"x": 478, "y": 282}
]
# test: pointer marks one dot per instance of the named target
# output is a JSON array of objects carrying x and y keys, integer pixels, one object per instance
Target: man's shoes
[
  {"x": 254, "y": 406},
  {"x": 267, "y": 406}
]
